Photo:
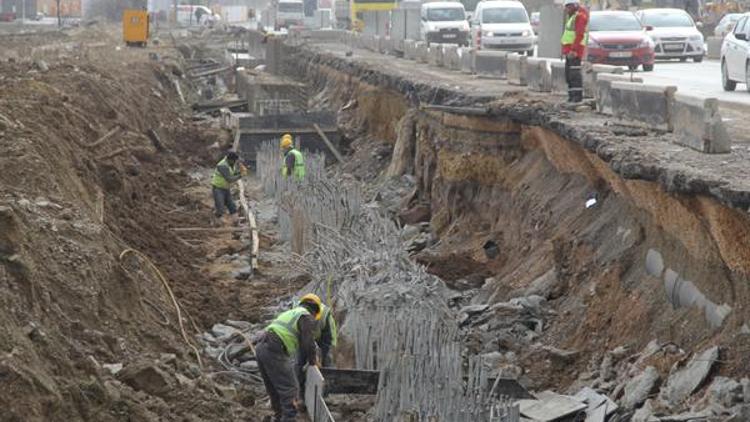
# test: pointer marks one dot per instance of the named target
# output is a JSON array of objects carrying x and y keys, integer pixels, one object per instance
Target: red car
[
  {"x": 618, "y": 38},
  {"x": 7, "y": 17}
]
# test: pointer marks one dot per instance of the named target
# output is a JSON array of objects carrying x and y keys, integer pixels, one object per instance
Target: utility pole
[
  {"x": 59, "y": 16},
  {"x": 23, "y": 11}
]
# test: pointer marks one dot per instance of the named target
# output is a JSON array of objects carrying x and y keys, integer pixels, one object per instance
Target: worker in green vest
[
  {"x": 574, "y": 40},
  {"x": 326, "y": 338},
  {"x": 289, "y": 333},
  {"x": 294, "y": 162},
  {"x": 229, "y": 170}
]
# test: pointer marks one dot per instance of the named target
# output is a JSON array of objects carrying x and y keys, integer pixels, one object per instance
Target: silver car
[{"x": 675, "y": 34}]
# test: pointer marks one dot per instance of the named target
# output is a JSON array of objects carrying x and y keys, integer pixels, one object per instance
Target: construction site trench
[{"x": 488, "y": 254}]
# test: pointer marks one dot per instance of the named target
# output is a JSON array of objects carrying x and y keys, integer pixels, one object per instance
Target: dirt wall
[{"x": 524, "y": 187}]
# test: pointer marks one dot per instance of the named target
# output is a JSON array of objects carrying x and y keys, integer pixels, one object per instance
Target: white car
[
  {"x": 444, "y": 22},
  {"x": 502, "y": 25},
  {"x": 726, "y": 24},
  {"x": 675, "y": 34},
  {"x": 735, "y": 56}
]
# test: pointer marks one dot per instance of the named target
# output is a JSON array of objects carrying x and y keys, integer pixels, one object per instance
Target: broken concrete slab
[
  {"x": 645, "y": 414},
  {"x": 685, "y": 381},
  {"x": 222, "y": 332},
  {"x": 147, "y": 377},
  {"x": 725, "y": 391},
  {"x": 550, "y": 406},
  {"x": 596, "y": 402},
  {"x": 640, "y": 387}
]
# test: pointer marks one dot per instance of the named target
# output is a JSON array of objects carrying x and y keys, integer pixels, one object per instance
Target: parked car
[
  {"x": 726, "y": 24},
  {"x": 7, "y": 16},
  {"x": 502, "y": 25},
  {"x": 535, "y": 21},
  {"x": 445, "y": 22},
  {"x": 618, "y": 38},
  {"x": 735, "y": 55},
  {"x": 675, "y": 34}
]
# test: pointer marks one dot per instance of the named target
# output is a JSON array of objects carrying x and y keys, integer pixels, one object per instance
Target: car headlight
[
  {"x": 696, "y": 38},
  {"x": 489, "y": 34},
  {"x": 646, "y": 43},
  {"x": 593, "y": 44},
  {"x": 525, "y": 33}
]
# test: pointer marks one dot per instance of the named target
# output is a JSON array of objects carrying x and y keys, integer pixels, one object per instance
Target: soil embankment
[{"x": 517, "y": 178}]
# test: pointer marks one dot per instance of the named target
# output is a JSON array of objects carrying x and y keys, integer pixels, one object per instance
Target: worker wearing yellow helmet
[
  {"x": 292, "y": 332},
  {"x": 294, "y": 162},
  {"x": 326, "y": 337}
]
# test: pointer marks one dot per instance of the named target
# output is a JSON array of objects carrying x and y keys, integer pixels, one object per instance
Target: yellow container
[{"x": 135, "y": 27}]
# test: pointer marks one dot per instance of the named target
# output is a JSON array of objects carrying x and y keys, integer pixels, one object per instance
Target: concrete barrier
[
  {"x": 602, "y": 92},
  {"x": 451, "y": 59},
  {"x": 436, "y": 55},
  {"x": 491, "y": 64},
  {"x": 386, "y": 45},
  {"x": 423, "y": 52},
  {"x": 397, "y": 45},
  {"x": 517, "y": 68},
  {"x": 589, "y": 76},
  {"x": 410, "y": 49},
  {"x": 467, "y": 60},
  {"x": 697, "y": 124},
  {"x": 648, "y": 105},
  {"x": 713, "y": 45},
  {"x": 538, "y": 74},
  {"x": 557, "y": 72}
]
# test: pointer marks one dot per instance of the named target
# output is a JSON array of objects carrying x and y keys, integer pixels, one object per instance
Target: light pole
[{"x": 23, "y": 11}]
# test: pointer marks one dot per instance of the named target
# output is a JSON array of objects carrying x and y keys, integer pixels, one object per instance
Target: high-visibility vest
[
  {"x": 218, "y": 180},
  {"x": 569, "y": 35},
  {"x": 326, "y": 318},
  {"x": 299, "y": 165},
  {"x": 285, "y": 326}
]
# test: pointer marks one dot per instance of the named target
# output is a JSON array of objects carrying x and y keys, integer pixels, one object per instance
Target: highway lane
[{"x": 700, "y": 78}]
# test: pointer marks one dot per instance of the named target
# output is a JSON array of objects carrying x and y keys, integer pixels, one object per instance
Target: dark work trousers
[
  {"x": 325, "y": 359},
  {"x": 277, "y": 369},
  {"x": 223, "y": 199},
  {"x": 574, "y": 78}
]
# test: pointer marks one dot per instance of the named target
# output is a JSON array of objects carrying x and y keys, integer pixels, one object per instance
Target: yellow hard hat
[
  {"x": 313, "y": 298},
  {"x": 286, "y": 141}
]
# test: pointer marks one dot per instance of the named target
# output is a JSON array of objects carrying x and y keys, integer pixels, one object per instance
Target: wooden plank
[
  {"x": 249, "y": 216},
  {"x": 208, "y": 229},
  {"x": 329, "y": 144},
  {"x": 283, "y": 130},
  {"x": 350, "y": 381}
]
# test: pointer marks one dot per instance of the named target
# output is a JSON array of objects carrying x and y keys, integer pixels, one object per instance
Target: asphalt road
[{"x": 700, "y": 78}]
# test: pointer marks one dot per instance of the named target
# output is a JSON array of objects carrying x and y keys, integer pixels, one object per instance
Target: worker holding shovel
[
  {"x": 228, "y": 171},
  {"x": 276, "y": 348}
]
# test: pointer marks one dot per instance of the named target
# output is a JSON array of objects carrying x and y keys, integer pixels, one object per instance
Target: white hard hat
[{"x": 567, "y": 2}]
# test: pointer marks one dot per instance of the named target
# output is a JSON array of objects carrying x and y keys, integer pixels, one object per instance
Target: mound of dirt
[{"x": 97, "y": 155}]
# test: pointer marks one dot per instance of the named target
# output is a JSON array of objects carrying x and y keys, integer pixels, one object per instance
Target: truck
[
  {"x": 234, "y": 14},
  {"x": 289, "y": 13}
]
